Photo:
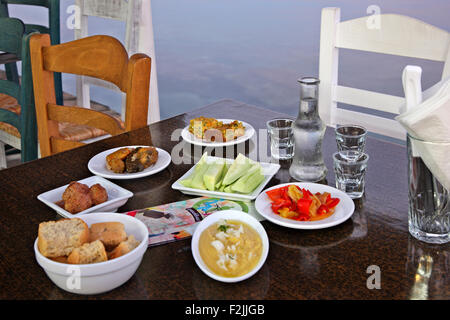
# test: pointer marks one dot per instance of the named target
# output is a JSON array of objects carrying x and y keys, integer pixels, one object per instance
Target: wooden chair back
[
  {"x": 396, "y": 35},
  {"x": 101, "y": 57},
  {"x": 53, "y": 29},
  {"x": 13, "y": 40},
  {"x": 137, "y": 16}
]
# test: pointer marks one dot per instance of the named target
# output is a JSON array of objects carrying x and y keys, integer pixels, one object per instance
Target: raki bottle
[{"x": 309, "y": 129}]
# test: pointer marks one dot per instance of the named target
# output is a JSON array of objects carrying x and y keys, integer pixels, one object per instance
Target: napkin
[{"x": 429, "y": 121}]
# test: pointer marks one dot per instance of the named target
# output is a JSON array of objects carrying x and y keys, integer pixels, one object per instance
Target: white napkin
[{"x": 430, "y": 121}]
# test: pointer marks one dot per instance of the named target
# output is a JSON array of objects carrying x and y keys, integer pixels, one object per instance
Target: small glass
[
  {"x": 351, "y": 138},
  {"x": 429, "y": 200},
  {"x": 350, "y": 174},
  {"x": 281, "y": 138}
]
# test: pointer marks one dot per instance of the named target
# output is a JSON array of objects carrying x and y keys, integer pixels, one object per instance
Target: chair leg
[
  {"x": 3, "y": 164},
  {"x": 11, "y": 72}
]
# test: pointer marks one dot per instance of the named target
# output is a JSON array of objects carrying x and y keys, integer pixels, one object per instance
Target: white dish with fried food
[
  {"x": 87, "y": 265},
  {"x": 226, "y": 132},
  {"x": 88, "y": 195},
  {"x": 129, "y": 162}
]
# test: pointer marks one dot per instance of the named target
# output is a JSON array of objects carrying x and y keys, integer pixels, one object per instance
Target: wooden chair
[
  {"x": 397, "y": 35},
  {"x": 17, "y": 113},
  {"x": 101, "y": 57},
  {"x": 138, "y": 38},
  {"x": 53, "y": 29}
]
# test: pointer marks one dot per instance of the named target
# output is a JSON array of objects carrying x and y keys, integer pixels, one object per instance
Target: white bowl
[
  {"x": 117, "y": 197},
  {"x": 103, "y": 276},
  {"x": 230, "y": 215}
]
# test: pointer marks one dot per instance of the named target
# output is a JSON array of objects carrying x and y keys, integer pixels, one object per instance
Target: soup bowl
[{"x": 234, "y": 215}]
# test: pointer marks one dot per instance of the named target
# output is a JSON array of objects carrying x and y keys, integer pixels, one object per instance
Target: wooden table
[{"x": 332, "y": 263}]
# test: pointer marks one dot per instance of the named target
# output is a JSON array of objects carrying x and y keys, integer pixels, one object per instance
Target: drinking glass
[
  {"x": 281, "y": 138},
  {"x": 429, "y": 200},
  {"x": 350, "y": 138},
  {"x": 350, "y": 173}
]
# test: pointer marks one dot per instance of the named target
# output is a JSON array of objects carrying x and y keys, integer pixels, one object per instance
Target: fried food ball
[
  {"x": 98, "y": 194},
  {"x": 76, "y": 197}
]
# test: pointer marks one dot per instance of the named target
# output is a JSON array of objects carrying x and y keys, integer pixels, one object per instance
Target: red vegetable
[
  {"x": 303, "y": 206},
  {"x": 333, "y": 202}
]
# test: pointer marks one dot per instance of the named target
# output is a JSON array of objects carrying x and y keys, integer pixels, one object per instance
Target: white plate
[
  {"x": 117, "y": 197},
  {"x": 97, "y": 165},
  {"x": 231, "y": 215},
  {"x": 344, "y": 209},
  {"x": 189, "y": 137},
  {"x": 269, "y": 170}
]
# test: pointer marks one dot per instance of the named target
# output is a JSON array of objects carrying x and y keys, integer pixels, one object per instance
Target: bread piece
[
  {"x": 110, "y": 233},
  {"x": 124, "y": 247},
  {"x": 62, "y": 259},
  {"x": 92, "y": 252},
  {"x": 59, "y": 238}
]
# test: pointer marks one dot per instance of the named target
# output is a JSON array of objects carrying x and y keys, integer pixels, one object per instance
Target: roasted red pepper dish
[{"x": 300, "y": 204}]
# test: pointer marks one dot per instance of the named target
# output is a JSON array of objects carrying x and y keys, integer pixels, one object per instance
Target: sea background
[{"x": 251, "y": 50}]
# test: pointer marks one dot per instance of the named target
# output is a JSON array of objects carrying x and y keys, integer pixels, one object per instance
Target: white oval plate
[
  {"x": 230, "y": 215},
  {"x": 344, "y": 209},
  {"x": 189, "y": 137},
  {"x": 97, "y": 165}
]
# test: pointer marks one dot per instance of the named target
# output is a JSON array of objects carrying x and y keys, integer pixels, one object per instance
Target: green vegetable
[
  {"x": 223, "y": 228},
  {"x": 224, "y": 172},
  {"x": 200, "y": 170},
  {"x": 213, "y": 174},
  {"x": 238, "y": 168},
  {"x": 249, "y": 181}
]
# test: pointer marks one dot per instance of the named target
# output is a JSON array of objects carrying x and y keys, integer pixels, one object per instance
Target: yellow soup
[{"x": 230, "y": 248}]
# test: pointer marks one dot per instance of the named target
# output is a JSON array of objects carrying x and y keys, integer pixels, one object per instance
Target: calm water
[{"x": 253, "y": 50}]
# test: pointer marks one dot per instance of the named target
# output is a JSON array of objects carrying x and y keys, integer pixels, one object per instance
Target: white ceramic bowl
[
  {"x": 99, "y": 277},
  {"x": 117, "y": 197},
  {"x": 229, "y": 215}
]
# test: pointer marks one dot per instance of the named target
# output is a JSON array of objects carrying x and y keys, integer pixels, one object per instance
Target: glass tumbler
[
  {"x": 350, "y": 138},
  {"x": 349, "y": 173},
  {"x": 281, "y": 138},
  {"x": 429, "y": 200}
]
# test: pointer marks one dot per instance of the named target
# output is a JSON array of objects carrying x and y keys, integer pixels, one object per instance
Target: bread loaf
[
  {"x": 110, "y": 233},
  {"x": 124, "y": 247},
  {"x": 59, "y": 238},
  {"x": 88, "y": 253}
]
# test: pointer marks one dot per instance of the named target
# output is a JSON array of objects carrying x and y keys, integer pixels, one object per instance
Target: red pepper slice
[
  {"x": 323, "y": 209},
  {"x": 333, "y": 202},
  {"x": 280, "y": 203},
  {"x": 274, "y": 194},
  {"x": 303, "y": 206}
]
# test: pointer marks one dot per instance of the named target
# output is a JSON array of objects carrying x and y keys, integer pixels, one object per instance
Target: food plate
[
  {"x": 189, "y": 137},
  {"x": 344, "y": 209},
  {"x": 269, "y": 170},
  {"x": 97, "y": 165},
  {"x": 229, "y": 215},
  {"x": 117, "y": 197}
]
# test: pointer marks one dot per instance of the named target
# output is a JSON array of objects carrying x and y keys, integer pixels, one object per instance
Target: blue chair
[{"x": 17, "y": 122}]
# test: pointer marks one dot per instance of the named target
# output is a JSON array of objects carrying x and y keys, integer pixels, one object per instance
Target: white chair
[
  {"x": 138, "y": 38},
  {"x": 396, "y": 35}
]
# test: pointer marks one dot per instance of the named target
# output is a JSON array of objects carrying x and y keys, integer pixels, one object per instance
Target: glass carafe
[{"x": 309, "y": 129}]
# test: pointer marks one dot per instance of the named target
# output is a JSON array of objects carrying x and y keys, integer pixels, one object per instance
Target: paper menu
[{"x": 176, "y": 221}]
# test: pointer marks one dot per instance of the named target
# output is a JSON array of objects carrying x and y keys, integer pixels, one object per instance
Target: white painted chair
[
  {"x": 391, "y": 34},
  {"x": 138, "y": 38}
]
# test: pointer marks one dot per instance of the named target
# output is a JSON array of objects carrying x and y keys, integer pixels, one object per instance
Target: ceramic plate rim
[
  {"x": 307, "y": 225},
  {"x": 235, "y": 214},
  {"x": 188, "y": 137},
  {"x": 123, "y": 176}
]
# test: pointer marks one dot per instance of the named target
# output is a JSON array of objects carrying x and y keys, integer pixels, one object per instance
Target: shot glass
[
  {"x": 350, "y": 173},
  {"x": 350, "y": 138},
  {"x": 281, "y": 138}
]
